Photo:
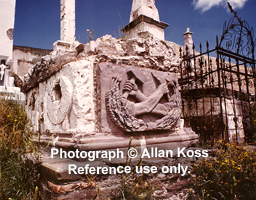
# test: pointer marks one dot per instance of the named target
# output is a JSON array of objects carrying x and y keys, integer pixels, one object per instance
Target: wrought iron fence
[{"x": 218, "y": 92}]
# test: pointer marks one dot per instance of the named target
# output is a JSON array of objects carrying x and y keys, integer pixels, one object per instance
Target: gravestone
[{"x": 113, "y": 88}]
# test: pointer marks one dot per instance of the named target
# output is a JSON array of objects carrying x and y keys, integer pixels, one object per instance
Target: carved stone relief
[
  {"x": 9, "y": 33},
  {"x": 59, "y": 99},
  {"x": 128, "y": 106}
]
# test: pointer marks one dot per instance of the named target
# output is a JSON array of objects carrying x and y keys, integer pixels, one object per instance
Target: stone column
[
  {"x": 67, "y": 17},
  {"x": 144, "y": 7},
  {"x": 188, "y": 42},
  {"x": 67, "y": 27}
]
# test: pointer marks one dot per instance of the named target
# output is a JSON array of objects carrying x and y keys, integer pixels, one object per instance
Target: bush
[
  {"x": 231, "y": 174},
  {"x": 17, "y": 180}
]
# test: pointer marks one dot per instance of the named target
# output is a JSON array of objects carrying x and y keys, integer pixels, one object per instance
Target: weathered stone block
[
  {"x": 65, "y": 100},
  {"x": 106, "y": 92}
]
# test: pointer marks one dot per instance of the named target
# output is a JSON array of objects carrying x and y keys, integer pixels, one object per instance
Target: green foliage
[
  {"x": 134, "y": 187},
  {"x": 231, "y": 174},
  {"x": 17, "y": 180}
]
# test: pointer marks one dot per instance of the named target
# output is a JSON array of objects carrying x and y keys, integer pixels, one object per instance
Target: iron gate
[{"x": 218, "y": 86}]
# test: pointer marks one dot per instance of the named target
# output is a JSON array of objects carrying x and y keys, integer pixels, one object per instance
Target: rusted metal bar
[
  {"x": 235, "y": 55},
  {"x": 248, "y": 100},
  {"x": 233, "y": 97},
  {"x": 224, "y": 85},
  {"x": 181, "y": 78},
  {"x": 240, "y": 87},
  {"x": 196, "y": 88},
  {"x": 254, "y": 80},
  {"x": 219, "y": 84}
]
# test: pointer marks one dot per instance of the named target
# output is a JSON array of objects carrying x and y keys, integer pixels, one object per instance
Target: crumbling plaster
[{"x": 74, "y": 109}]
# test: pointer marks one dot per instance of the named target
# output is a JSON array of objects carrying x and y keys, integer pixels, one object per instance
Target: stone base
[
  {"x": 64, "y": 45},
  {"x": 57, "y": 183},
  {"x": 12, "y": 93},
  {"x": 145, "y": 24},
  {"x": 101, "y": 141}
]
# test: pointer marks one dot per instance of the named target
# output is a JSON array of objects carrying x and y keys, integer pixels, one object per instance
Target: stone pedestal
[
  {"x": 144, "y": 21},
  {"x": 144, "y": 25},
  {"x": 65, "y": 45},
  {"x": 74, "y": 105}
]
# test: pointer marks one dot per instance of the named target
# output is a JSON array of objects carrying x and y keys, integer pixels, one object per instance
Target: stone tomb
[
  {"x": 99, "y": 96},
  {"x": 109, "y": 91},
  {"x": 93, "y": 107}
]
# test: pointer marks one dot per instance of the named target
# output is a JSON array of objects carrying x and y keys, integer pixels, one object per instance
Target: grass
[
  {"x": 133, "y": 187},
  {"x": 229, "y": 174},
  {"x": 17, "y": 179}
]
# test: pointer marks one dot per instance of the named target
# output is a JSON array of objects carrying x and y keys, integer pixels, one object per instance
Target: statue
[
  {"x": 2, "y": 72},
  {"x": 2, "y": 68}
]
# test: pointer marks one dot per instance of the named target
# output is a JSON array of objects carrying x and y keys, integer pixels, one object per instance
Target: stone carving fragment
[
  {"x": 59, "y": 99},
  {"x": 9, "y": 33},
  {"x": 125, "y": 112}
]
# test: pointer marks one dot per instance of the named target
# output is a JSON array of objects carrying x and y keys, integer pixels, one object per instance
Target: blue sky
[{"x": 37, "y": 22}]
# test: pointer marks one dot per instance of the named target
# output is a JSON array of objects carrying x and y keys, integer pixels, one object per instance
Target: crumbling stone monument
[
  {"x": 102, "y": 93},
  {"x": 112, "y": 89}
]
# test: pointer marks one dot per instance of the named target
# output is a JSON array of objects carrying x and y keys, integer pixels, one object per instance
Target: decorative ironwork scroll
[{"x": 237, "y": 36}]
